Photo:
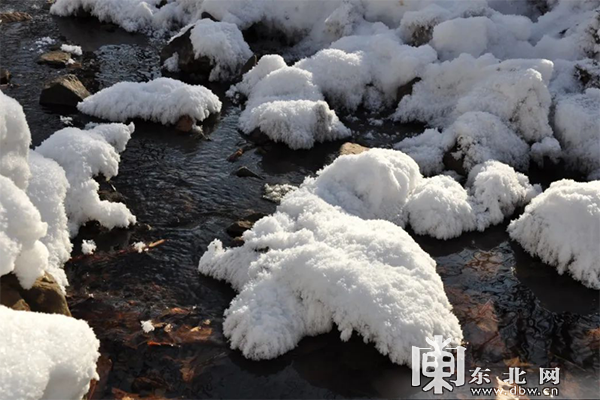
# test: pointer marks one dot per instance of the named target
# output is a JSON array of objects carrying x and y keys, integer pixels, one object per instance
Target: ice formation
[
  {"x": 45, "y": 356},
  {"x": 84, "y": 154},
  {"x": 562, "y": 227},
  {"x": 162, "y": 100}
]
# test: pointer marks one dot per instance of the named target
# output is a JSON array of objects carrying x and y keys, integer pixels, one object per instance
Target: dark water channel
[{"x": 515, "y": 311}]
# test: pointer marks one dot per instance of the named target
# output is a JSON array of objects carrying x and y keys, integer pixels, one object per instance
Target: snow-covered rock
[
  {"x": 21, "y": 231},
  {"x": 562, "y": 227},
  {"x": 15, "y": 139},
  {"x": 47, "y": 191},
  {"x": 45, "y": 356},
  {"x": 577, "y": 121},
  {"x": 162, "y": 100},
  {"x": 84, "y": 154}
]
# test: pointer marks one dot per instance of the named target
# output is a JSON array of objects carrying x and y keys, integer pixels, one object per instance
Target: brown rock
[
  {"x": 188, "y": 63},
  {"x": 66, "y": 90},
  {"x": 239, "y": 227},
  {"x": 185, "y": 124},
  {"x": 4, "y": 76},
  {"x": 14, "y": 16},
  {"x": 252, "y": 61},
  {"x": 352, "y": 148},
  {"x": 44, "y": 296},
  {"x": 452, "y": 163},
  {"x": 55, "y": 58}
]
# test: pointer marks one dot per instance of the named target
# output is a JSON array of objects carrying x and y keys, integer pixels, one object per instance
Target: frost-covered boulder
[
  {"x": 442, "y": 208},
  {"x": 311, "y": 265},
  {"x": 562, "y": 227},
  {"x": 47, "y": 191},
  {"x": 21, "y": 231},
  {"x": 163, "y": 100},
  {"x": 15, "y": 139},
  {"x": 577, "y": 121},
  {"x": 288, "y": 107},
  {"x": 44, "y": 356},
  {"x": 84, "y": 154},
  {"x": 220, "y": 44},
  {"x": 348, "y": 183}
]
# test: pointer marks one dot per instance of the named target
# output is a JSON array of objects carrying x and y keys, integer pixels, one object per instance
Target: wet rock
[
  {"x": 252, "y": 61},
  {"x": 185, "y": 124},
  {"x": 258, "y": 137},
  {"x": 65, "y": 90},
  {"x": 239, "y": 227},
  {"x": 406, "y": 89},
  {"x": 454, "y": 164},
  {"x": 245, "y": 172},
  {"x": 44, "y": 296},
  {"x": 15, "y": 16},
  {"x": 188, "y": 64},
  {"x": 352, "y": 148},
  {"x": 588, "y": 73},
  {"x": 4, "y": 76},
  {"x": 56, "y": 58},
  {"x": 206, "y": 15}
]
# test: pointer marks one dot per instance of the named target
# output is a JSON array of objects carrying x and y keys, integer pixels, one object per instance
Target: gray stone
[{"x": 66, "y": 90}]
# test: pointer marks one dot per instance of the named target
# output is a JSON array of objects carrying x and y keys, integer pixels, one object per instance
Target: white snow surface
[
  {"x": 73, "y": 49},
  {"x": 147, "y": 326},
  {"x": 15, "y": 139},
  {"x": 162, "y": 100},
  {"x": 88, "y": 247},
  {"x": 45, "y": 356},
  {"x": 223, "y": 44},
  {"x": 47, "y": 191},
  {"x": 84, "y": 154},
  {"x": 562, "y": 227}
]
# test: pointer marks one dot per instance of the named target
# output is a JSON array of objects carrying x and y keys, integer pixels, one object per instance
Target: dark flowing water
[{"x": 515, "y": 311}]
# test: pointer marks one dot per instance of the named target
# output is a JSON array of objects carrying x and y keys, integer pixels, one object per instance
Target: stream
[{"x": 514, "y": 310}]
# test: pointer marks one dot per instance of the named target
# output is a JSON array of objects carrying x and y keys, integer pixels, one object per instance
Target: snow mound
[
  {"x": 577, "y": 121},
  {"x": 310, "y": 265},
  {"x": 75, "y": 50},
  {"x": 348, "y": 183},
  {"x": 47, "y": 191},
  {"x": 288, "y": 107},
  {"x": 562, "y": 227},
  {"x": 84, "y": 154},
  {"x": 15, "y": 139},
  {"x": 21, "y": 229},
  {"x": 515, "y": 91},
  {"x": 442, "y": 208},
  {"x": 223, "y": 44},
  {"x": 45, "y": 356},
  {"x": 162, "y": 100},
  {"x": 88, "y": 247}
]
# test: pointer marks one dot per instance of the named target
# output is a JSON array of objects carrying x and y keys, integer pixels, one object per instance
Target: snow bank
[
  {"x": 84, "y": 154},
  {"x": 15, "y": 139},
  {"x": 562, "y": 227},
  {"x": 162, "y": 100},
  {"x": 223, "y": 44},
  {"x": 47, "y": 191},
  {"x": 577, "y": 121},
  {"x": 21, "y": 229},
  {"x": 44, "y": 356}
]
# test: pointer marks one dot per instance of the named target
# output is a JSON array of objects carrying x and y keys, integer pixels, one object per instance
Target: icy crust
[
  {"x": 224, "y": 46},
  {"x": 311, "y": 265},
  {"x": 577, "y": 121},
  {"x": 47, "y": 191},
  {"x": 84, "y": 154},
  {"x": 21, "y": 229},
  {"x": 15, "y": 139},
  {"x": 45, "y": 356},
  {"x": 562, "y": 227},
  {"x": 162, "y": 100}
]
